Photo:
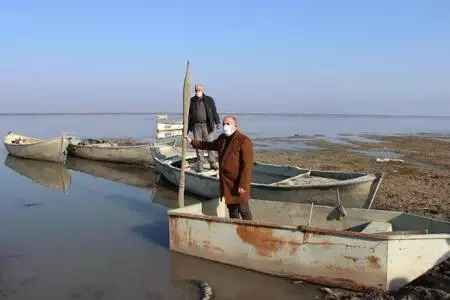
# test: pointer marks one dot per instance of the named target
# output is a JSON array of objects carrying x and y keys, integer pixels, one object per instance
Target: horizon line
[{"x": 235, "y": 113}]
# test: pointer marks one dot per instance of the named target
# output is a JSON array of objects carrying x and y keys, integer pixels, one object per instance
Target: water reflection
[
  {"x": 123, "y": 173},
  {"x": 166, "y": 194},
  {"x": 193, "y": 275},
  {"x": 49, "y": 174}
]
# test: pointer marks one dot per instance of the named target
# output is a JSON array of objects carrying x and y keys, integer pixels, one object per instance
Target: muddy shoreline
[{"x": 416, "y": 181}]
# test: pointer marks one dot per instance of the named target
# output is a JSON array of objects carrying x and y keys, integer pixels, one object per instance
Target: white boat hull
[
  {"x": 140, "y": 154},
  {"x": 161, "y": 126},
  {"x": 48, "y": 150}
]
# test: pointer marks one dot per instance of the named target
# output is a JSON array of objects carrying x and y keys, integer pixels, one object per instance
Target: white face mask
[
  {"x": 227, "y": 130},
  {"x": 199, "y": 94}
]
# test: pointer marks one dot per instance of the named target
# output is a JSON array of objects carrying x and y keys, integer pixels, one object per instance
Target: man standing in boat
[
  {"x": 202, "y": 118},
  {"x": 235, "y": 166}
]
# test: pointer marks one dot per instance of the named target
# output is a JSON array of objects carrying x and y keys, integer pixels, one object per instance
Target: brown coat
[{"x": 235, "y": 165}]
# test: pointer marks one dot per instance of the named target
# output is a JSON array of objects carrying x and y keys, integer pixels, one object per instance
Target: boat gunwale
[
  {"x": 310, "y": 229},
  {"x": 39, "y": 141},
  {"x": 112, "y": 147}
]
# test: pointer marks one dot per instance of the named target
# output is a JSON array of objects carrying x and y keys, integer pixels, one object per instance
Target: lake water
[{"x": 90, "y": 231}]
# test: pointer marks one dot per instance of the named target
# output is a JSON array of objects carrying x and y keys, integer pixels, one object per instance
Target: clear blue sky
[{"x": 264, "y": 56}]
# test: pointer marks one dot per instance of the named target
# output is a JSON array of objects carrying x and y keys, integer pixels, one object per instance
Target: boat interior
[
  {"x": 12, "y": 138},
  {"x": 104, "y": 143},
  {"x": 277, "y": 174},
  {"x": 327, "y": 217}
]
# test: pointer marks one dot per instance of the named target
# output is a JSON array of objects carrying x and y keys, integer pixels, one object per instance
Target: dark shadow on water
[
  {"x": 157, "y": 232},
  {"x": 139, "y": 206}
]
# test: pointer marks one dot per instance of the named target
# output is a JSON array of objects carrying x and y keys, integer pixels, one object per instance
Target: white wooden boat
[
  {"x": 131, "y": 175},
  {"x": 47, "y": 173},
  {"x": 161, "y": 116},
  {"x": 169, "y": 134},
  {"x": 33, "y": 148},
  {"x": 363, "y": 249},
  {"x": 93, "y": 149},
  {"x": 276, "y": 182},
  {"x": 169, "y": 125}
]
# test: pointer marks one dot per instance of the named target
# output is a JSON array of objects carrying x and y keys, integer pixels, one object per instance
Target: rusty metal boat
[
  {"x": 363, "y": 248},
  {"x": 275, "y": 182}
]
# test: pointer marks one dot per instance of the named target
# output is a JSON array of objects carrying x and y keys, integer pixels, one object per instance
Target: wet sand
[{"x": 420, "y": 184}]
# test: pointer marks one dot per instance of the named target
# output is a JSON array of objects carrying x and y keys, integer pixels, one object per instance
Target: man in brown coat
[{"x": 235, "y": 166}]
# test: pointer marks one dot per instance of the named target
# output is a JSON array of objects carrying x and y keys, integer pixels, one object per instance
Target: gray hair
[
  {"x": 232, "y": 117},
  {"x": 199, "y": 86}
]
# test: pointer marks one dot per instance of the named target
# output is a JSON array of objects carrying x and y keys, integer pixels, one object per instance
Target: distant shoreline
[{"x": 238, "y": 114}]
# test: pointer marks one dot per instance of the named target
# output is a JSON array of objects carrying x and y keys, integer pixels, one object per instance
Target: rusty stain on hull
[
  {"x": 374, "y": 262},
  {"x": 259, "y": 237}
]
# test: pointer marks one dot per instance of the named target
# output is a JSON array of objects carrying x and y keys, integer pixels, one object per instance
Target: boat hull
[
  {"x": 140, "y": 154},
  {"x": 47, "y": 150},
  {"x": 161, "y": 126},
  {"x": 289, "y": 247},
  {"x": 358, "y": 193}
]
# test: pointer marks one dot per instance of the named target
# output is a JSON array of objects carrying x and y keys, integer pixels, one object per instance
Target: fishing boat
[
  {"x": 276, "y": 182},
  {"x": 360, "y": 249},
  {"x": 123, "y": 173},
  {"x": 161, "y": 116},
  {"x": 169, "y": 125},
  {"x": 51, "y": 149},
  {"x": 169, "y": 134},
  {"x": 120, "y": 152},
  {"x": 47, "y": 173}
]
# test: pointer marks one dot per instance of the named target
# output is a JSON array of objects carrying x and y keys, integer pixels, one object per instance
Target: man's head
[
  {"x": 198, "y": 90},
  {"x": 229, "y": 125}
]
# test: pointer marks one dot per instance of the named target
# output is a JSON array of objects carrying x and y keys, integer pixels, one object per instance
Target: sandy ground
[{"x": 420, "y": 184}]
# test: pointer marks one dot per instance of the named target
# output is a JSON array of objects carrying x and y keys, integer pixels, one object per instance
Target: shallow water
[{"x": 104, "y": 239}]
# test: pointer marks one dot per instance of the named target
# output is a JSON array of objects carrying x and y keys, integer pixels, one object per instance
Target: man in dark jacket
[{"x": 202, "y": 118}]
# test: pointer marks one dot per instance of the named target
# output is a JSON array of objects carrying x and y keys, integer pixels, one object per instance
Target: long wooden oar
[{"x": 186, "y": 103}]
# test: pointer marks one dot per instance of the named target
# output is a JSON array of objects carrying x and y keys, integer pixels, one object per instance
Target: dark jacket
[
  {"x": 211, "y": 113},
  {"x": 235, "y": 165}
]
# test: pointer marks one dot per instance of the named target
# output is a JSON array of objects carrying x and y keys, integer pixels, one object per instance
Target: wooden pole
[{"x": 186, "y": 103}]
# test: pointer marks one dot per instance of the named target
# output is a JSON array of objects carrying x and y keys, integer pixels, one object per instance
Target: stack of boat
[
  {"x": 168, "y": 128},
  {"x": 310, "y": 225}
]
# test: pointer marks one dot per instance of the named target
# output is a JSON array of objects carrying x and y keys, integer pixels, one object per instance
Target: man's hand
[
  {"x": 188, "y": 139},
  {"x": 241, "y": 191}
]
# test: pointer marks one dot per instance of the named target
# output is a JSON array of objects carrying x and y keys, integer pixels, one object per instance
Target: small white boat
[
  {"x": 361, "y": 249},
  {"x": 169, "y": 125},
  {"x": 137, "y": 153},
  {"x": 169, "y": 134},
  {"x": 51, "y": 149}
]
